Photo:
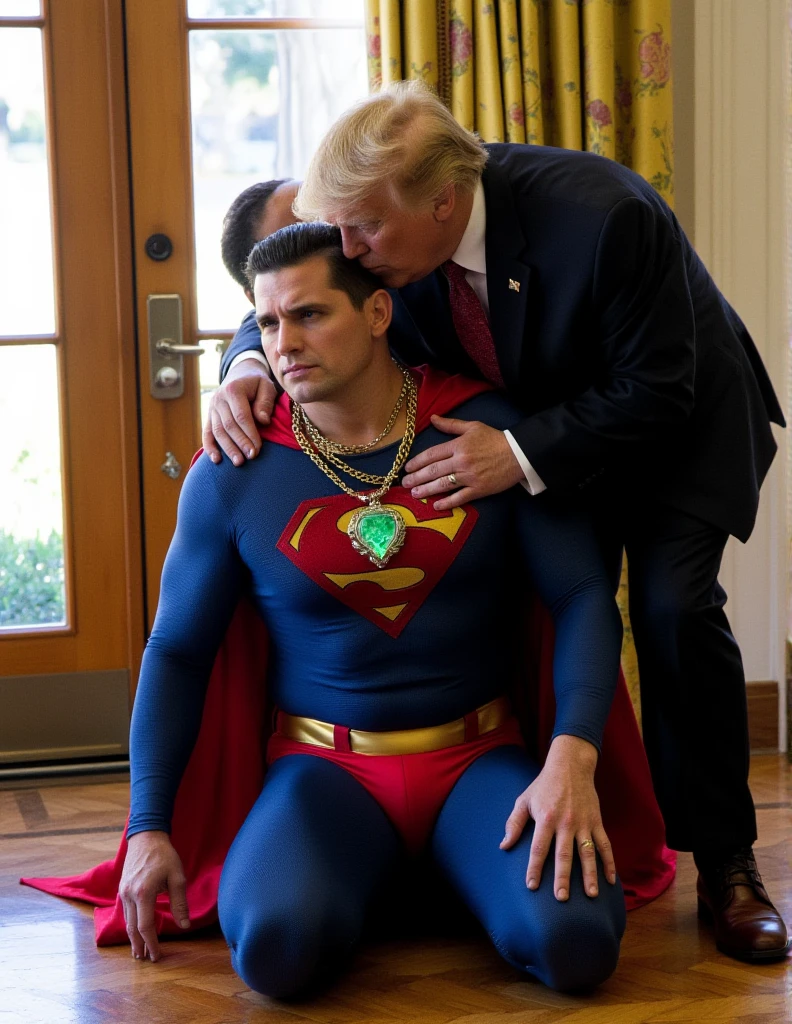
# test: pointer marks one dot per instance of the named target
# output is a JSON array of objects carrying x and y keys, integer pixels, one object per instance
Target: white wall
[{"x": 730, "y": 80}]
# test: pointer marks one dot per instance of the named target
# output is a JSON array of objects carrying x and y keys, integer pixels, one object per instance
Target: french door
[
  {"x": 127, "y": 127},
  {"x": 71, "y": 618}
]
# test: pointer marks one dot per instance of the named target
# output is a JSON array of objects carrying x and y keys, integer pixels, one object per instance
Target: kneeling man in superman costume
[{"x": 393, "y": 731}]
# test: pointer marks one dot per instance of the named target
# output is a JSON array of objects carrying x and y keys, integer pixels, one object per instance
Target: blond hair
[{"x": 402, "y": 140}]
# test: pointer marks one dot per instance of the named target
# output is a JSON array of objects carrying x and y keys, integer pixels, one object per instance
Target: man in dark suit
[{"x": 565, "y": 279}]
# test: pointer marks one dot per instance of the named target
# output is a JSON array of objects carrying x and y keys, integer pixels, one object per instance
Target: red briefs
[{"x": 410, "y": 788}]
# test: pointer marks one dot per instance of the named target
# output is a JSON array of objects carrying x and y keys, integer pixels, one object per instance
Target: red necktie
[{"x": 470, "y": 321}]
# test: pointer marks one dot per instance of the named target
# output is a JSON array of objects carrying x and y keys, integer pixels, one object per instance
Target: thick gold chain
[
  {"x": 329, "y": 448},
  {"x": 384, "y": 481}
]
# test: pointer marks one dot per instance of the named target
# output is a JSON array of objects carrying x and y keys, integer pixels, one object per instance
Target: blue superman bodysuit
[{"x": 422, "y": 641}]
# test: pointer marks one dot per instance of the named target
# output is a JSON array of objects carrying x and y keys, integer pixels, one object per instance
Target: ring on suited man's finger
[
  {"x": 586, "y": 843},
  {"x": 452, "y": 479}
]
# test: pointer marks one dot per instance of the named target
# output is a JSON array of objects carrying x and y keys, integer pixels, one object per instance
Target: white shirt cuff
[
  {"x": 251, "y": 353},
  {"x": 533, "y": 483}
]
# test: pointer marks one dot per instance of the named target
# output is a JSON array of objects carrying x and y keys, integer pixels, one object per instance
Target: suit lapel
[{"x": 507, "y": 276}]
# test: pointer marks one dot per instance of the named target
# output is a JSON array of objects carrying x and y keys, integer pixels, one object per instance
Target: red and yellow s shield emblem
[{"x": 316, "y": 541}]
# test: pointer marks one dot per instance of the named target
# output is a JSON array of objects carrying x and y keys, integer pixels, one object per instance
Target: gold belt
[{"x": 400, "y": 741}]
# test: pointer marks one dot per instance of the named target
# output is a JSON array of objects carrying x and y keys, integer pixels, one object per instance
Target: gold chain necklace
[
  {"x": 336, "y": 460},
  {"x": 334, "y": 448},
  {"x": 377, "y": 532}
]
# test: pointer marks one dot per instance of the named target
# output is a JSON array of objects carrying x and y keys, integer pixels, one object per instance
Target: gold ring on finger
[
  {"x": 452, "y": 479},
  {"x": 586, "y": 843}
]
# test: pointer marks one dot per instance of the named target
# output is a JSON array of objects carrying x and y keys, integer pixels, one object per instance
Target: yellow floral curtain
[{"x": 581, "y": 74}]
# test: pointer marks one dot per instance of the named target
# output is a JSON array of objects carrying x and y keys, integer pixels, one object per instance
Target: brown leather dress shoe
[{"x": 747, "y": 925}]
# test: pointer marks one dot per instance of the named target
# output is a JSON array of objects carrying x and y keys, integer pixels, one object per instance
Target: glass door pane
[
  {"x": 27, "y": 294},
  {"x": 20, "y": 8},
  {"x": 261, "y": 101},
  {"x": 32, "y": 585},
  {"x": 351, "y": 10},
  {"x": 32, "y": 580}
]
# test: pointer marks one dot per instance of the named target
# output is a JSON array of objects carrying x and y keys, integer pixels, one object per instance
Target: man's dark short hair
[
  {"x": 297, "y": 243},
  {"x": 239, "y": 227}
]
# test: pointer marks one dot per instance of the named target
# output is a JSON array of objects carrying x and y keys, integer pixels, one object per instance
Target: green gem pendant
[{"x": 377, "y": 533}]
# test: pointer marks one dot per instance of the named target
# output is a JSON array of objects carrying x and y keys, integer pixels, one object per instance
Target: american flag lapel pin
[{"x": 514, "y": 286}]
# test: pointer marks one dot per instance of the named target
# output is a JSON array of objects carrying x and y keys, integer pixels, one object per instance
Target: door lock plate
[{"x": 166, "y": 352}]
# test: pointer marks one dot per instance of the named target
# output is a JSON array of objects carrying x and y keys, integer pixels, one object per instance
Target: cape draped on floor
[{"x": 226, "y": 770}]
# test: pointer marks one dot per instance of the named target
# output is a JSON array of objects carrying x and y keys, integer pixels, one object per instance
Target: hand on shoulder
[{"x": 246, "y": 395}]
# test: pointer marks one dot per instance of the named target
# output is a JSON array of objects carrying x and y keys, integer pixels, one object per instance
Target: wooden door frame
[
  {"x": 163, "y": 204},
  {"x": 129, "y": 381}
]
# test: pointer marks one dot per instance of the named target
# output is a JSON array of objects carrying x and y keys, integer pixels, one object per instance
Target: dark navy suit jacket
[{"x": 611, "y": 337}]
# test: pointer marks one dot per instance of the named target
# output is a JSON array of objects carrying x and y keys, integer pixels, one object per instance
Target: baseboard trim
[
  {"x": 64, "y": 716},
  {"x": 763, "y": 716}
]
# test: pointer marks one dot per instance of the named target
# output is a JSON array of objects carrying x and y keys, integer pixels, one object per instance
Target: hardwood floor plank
[
  {"x": 32, "y": 808},
  {"x": 52, "y": 973},
  {"x": 11, "y": 819}
]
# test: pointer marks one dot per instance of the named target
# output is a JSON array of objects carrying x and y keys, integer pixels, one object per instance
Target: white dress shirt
[
  {"x": 250, "y": 353},
  {"x": 471, "y": 255}
]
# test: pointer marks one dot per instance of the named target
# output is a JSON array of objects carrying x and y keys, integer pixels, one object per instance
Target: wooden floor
[{"x": 51, "y": 972}]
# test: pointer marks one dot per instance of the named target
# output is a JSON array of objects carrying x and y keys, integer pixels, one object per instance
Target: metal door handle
[
  {"x": 171, "y": 348},
  {"x": 166, "y": 351}
]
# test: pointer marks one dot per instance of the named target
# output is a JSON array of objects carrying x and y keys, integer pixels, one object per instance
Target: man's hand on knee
[
  {"x": 152, "y": 866},
  {"x": 247, "y": 392},
  {"x": 564, "y": 805}
]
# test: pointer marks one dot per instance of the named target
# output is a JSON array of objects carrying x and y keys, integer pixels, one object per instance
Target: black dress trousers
[{"x": 693, "y": 699}]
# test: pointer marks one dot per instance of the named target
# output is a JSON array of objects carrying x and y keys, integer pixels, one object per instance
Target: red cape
[{"x": 226, "y": 770}]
